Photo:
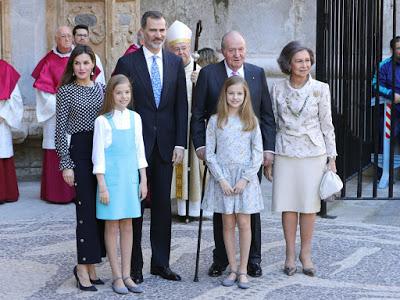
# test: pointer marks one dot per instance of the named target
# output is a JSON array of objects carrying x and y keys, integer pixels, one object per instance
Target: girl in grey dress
[{"x": 234, "y": 154}]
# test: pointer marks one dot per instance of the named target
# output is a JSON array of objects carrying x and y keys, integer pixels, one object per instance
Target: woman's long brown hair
[
  {"x": 108, "y": 104},
  {"x": 68, "y": 76},
  {"x": 246, "y": 112}
]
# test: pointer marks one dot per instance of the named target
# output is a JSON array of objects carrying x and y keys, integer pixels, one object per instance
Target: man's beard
[{"x": 155, "y": 45}]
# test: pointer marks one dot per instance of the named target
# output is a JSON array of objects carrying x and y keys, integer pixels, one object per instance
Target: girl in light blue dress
[
  {"x": 234, "y": 154},
  {"x": 118, "y": 158}
]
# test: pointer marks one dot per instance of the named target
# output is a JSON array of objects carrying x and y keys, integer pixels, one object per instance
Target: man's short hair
[
  {"x": 80, "y": 26},
  {"x": 393, "y": 42},
  {"x": 154, "y": 14}
]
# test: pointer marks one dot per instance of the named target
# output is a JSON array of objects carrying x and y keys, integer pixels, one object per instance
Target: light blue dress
[{"x": 121, "y": 176}]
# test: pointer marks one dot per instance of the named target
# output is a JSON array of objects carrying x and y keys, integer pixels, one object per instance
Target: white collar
[
  {"x": 229, "y": 71},
  {"x": 62, "y": 54},
  {"x": 119, "y": 113},
  {"x": 304, "y": 87},
  {"x": 148, "y": 54}
]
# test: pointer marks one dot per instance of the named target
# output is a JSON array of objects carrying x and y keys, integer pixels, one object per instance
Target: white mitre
[{"x": 178, "y": 32}]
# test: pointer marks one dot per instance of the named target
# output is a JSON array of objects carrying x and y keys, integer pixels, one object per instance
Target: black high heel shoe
[
  {"x": 97, "y": 281},
  {"x": 91, "y": 288}
]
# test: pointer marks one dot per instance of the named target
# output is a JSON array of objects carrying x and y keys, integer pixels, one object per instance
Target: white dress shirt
[
  {"x": 230, "y": 72},
  {"x": 102, "y": 138},
  {"x": 149, "y": 60}
]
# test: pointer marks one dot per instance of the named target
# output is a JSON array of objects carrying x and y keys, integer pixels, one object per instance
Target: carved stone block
[{"x": 112, "y": 24}]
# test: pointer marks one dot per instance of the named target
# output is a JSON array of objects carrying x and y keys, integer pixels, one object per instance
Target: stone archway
[{"x": 112, "y": 24}]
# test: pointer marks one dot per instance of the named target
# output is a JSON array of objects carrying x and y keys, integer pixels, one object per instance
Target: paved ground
[{"x": 356, "y": 255}]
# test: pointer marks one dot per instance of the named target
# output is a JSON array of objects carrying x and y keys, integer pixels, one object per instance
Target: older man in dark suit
[
  {"x": 209, "y": 84},
  {"x": 159, "y": 96}
]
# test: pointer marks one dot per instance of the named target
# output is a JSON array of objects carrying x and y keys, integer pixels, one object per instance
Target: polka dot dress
[{"x": 77, "y": 107}]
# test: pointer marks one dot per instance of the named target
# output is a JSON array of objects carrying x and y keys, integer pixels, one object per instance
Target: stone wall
[
  {"x": 28, "y": 41},
  {"x": 266, "y": 25}
]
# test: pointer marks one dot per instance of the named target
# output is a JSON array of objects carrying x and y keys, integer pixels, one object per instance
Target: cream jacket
[{"x": 303, "y": 119}]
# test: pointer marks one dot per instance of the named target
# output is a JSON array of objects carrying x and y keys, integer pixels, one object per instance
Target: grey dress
[{"x": 232, "y": 154}]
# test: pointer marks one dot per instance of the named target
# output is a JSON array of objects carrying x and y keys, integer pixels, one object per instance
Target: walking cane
[
  {"x": 199, "y": 28},
  {"x": 196, "y": 272}
]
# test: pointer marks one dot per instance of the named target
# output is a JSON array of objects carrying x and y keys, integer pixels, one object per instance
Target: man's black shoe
[
  {"x": 215, "y": 270},
  {"x": 137, "y": 277},
  {"x": 165, "y": 272},
  {"x": 254, "y": 270}
]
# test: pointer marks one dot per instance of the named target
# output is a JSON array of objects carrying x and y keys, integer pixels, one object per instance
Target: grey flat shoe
[
  {"x": 119, "y": 290},
  {"x": 229, "y": 282},
  {"x": 133, "y": 288},
  {"x": 289, "y": 271},
  {"x": 309, "y": 272},
  {"x": 240, "y": 284}
]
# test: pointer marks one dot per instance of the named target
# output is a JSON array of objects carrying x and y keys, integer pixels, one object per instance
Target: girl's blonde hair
[
  {"x": 246, "y": 112},
  {"x": 109, "y": 103}
]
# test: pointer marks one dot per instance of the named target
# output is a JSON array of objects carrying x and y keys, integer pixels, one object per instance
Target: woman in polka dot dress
[{"x": 79, "y": 100}]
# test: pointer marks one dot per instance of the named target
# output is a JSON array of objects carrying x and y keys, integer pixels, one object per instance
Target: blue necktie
[{"x": 156, "y": 81}]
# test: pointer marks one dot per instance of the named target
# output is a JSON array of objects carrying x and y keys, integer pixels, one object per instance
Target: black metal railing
[{"x": 348, "y": 52}]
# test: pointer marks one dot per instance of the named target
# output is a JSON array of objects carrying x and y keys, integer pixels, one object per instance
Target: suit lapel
[
  {"x": 249, "y": 77},
  {"x": 143, "y": 74},
  {"x": 221, "y": 75}
]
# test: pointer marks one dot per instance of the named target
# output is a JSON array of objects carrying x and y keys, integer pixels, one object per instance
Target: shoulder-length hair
[
  {"x": 109, "y": 103},
  {"x": 288, "y": 52},
  {"x": 246, "y": 112},
  {"x": 69, "y": 76}
]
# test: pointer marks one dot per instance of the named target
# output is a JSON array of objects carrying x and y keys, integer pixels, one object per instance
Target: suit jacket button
[
  {"x": 82, "y": 240},
  {"x": 155, "y": 128}
]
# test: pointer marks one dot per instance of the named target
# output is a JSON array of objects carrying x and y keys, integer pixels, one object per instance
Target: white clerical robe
[
  {"x": 101, "y": 77},
  {"x": 196, "y": 168},
  {"x": 11, "y": 112}
]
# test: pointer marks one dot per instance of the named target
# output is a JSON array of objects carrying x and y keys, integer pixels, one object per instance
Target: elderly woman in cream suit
[{"x": 305, "y": 146}]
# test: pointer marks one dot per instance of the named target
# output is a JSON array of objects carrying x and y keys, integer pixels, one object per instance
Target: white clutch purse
[{"x": 331, "y": 184}]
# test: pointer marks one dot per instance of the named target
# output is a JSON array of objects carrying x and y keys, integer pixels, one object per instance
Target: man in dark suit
[
  {"x": 208, "y": 87},
  {"x": 159, "y": 96}
]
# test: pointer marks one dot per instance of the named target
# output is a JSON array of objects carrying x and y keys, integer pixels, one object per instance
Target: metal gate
[{"x": 348, "y": 52}]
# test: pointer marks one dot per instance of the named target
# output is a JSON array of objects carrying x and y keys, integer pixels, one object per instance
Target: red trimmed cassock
[
  {"x": 132, "y": 48},
  {"x": 11, "y": 111},
  {"x": 47, "y": 75}
]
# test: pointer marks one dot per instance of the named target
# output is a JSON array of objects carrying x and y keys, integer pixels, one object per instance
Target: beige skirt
[{"x": 296, "y": 183}]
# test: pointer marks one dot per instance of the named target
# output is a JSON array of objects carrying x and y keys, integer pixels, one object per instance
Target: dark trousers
[
  {"x": 160, "y": 176},
  {"x": 219, "y": 253},
  {"x": 89, "y": 230}
]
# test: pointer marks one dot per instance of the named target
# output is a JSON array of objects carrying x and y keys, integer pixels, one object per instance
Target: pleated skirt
[{"x": 296, "y": 183}]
